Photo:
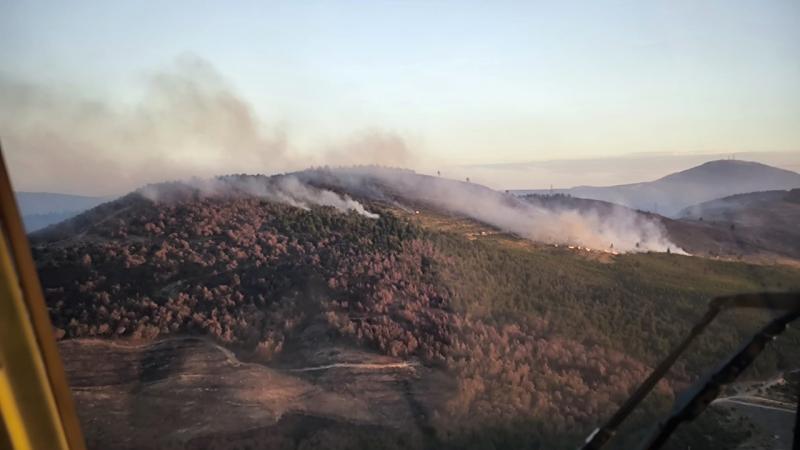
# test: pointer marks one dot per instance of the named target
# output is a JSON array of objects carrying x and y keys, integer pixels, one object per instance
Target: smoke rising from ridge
[
  {"x": 625, "y": 229},
  {"x": 614, "y": 228},
  {"x": 190, "y": 123},
  {"x": 286, "y": 189}
]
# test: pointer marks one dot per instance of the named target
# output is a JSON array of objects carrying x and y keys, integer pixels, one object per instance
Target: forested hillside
[{"x": 535, "y": 345}]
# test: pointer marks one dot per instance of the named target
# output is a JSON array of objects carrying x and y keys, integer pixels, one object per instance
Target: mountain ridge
[
  {"x": 40, "y": 209},
  {"x": 671, "y": 193}
]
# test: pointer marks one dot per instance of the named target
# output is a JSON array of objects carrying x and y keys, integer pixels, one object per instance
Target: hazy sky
[{"x": 137, "y": 91}]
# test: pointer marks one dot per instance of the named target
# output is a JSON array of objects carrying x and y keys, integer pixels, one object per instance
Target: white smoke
[
  {"x": 281, "y": 189},
  {"x": 291, "y": 189},
  {"x": 620, "y": 228}
]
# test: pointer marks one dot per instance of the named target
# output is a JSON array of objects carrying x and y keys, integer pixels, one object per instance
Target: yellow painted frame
[
  {"x": 36, "y": 406},
  {"x": 26, "y": 400}
]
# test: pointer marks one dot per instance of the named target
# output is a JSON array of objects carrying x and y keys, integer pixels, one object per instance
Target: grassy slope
[{"x": 641, "y": 303}]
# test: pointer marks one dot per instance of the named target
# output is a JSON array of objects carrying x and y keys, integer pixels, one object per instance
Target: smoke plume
[
  {"x": 187, "y": 121},
  {"x": 620, "y": 228},
  {"x": 190, "y": 123},
  {"x": 286, "y": 189}
]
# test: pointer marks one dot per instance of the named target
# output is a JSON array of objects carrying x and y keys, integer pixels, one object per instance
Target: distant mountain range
[
  {"x": 671, "y": 194},
  {"x": 666, "y": 196},
  {"x": 40, "y": 209},
  {"x": 763, "y": 222}
]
